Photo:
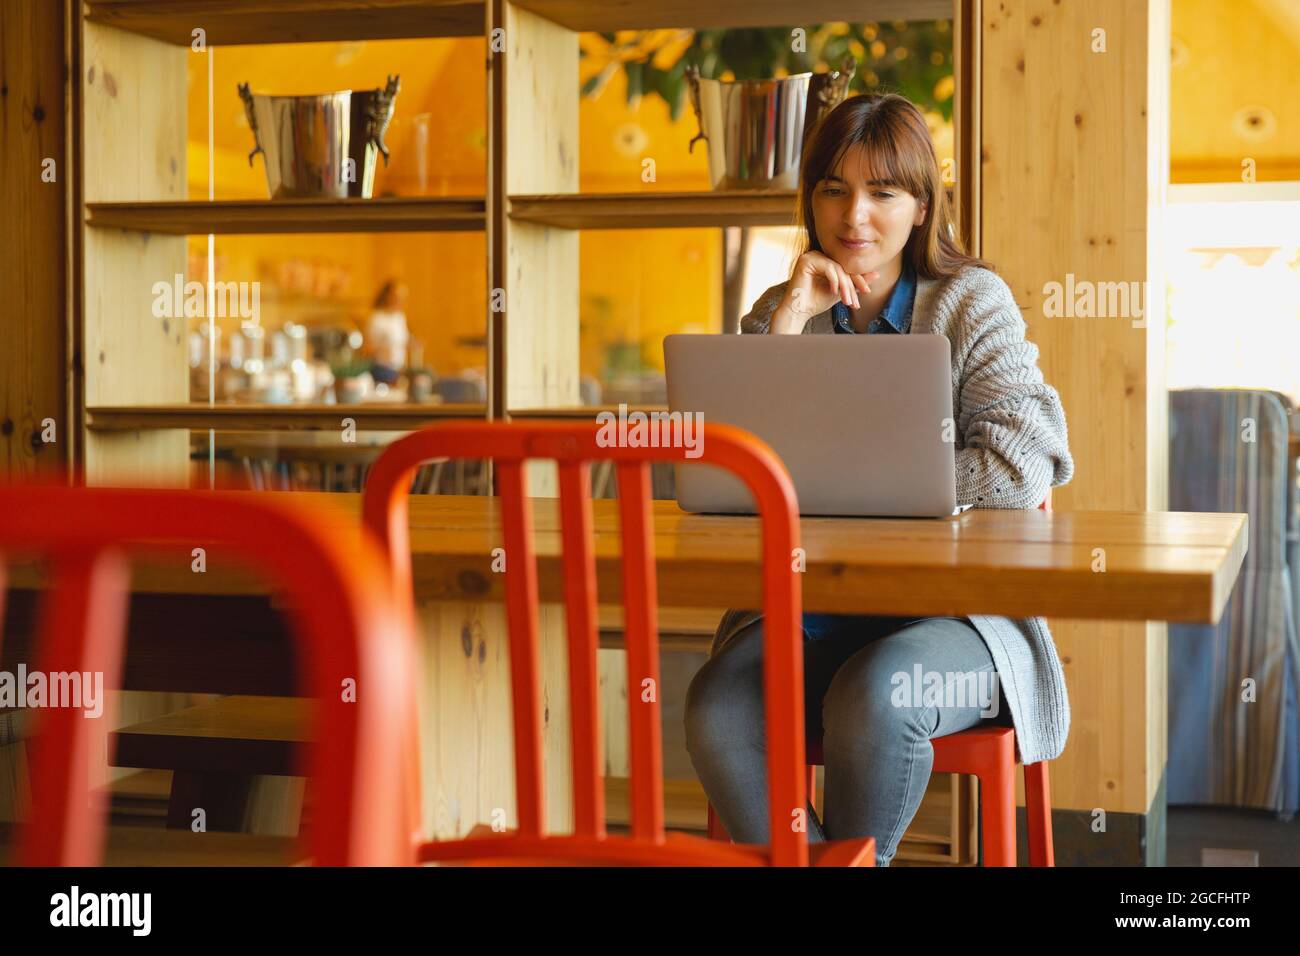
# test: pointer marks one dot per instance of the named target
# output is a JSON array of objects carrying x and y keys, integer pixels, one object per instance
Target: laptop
[{"x": 863, "y": 423}]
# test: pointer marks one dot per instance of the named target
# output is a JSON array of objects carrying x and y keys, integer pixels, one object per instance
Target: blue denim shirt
[
  {"x": 897, "y": 314},
  {"x": 894, "y": 319}
]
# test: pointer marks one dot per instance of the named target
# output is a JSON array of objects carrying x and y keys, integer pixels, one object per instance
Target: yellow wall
[
  {"x": 641, "y": 285},
  {"x": 1234, "y": 61}
]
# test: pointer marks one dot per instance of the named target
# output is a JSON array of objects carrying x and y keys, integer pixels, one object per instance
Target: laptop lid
[{"x": 863, "y": 423}]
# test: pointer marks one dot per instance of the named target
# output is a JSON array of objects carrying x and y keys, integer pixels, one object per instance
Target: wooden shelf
[
  {"x": 305, "y": 21},
  {"x": 375, "y": 417},
  {"x": 290, "y": 21},
  {"x": 582, "y": 411},
  {"x": 371, "y": 417},
  {"x": 612, "y": 15},
  {"x": 676, "y": 210},
  {"x": 250, "y": 216}
]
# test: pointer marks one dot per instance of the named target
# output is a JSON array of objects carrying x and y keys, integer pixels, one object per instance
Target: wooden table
[
  {"x": 211, "y": 632},
  {"x": 1170, "y": 566}
]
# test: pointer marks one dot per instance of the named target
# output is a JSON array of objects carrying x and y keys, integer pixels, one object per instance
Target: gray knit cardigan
[{"x": 1011, "y": 447}]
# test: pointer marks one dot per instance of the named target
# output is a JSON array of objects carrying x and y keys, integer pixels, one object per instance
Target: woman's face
[{"x": 862, "y": 225}]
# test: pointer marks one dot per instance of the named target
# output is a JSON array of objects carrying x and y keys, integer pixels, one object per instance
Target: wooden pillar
[
  {"x": 34, "y": 175},
  {"x": 132, "y": 83},
  {"x": 466, "y": 730},
  {"x": 1075, "y": 166},
  {"x": 533, "y": 148}
]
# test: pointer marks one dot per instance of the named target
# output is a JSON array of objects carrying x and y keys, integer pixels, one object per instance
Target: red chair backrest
[
  {"x": 343, "y": 614},
  {"x": 573, "y": 446}
]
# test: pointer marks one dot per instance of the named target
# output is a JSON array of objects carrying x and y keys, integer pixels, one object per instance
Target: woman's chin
[{"x": 856, "y": 262}]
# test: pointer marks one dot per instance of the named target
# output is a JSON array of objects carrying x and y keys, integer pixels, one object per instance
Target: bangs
[{"x": 885, "y": 159}]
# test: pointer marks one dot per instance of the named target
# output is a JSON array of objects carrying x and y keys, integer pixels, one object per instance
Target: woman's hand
[{"x": 817, "y": 283}]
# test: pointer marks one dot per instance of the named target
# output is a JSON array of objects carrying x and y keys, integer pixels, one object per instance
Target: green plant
[
  {"x": 623, "y": 357},
  {"x": 351, "y": 369},
  {"x": 913, "y": 58}
]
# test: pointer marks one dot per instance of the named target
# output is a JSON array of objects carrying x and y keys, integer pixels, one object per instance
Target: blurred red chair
[
  {"x": 988, "y": 754},
  {"x": 573, "y": 446},
  {"x": 347, "y": 625}
]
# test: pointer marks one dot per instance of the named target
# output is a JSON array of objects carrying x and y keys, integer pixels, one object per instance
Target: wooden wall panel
[
  {"x": 1074, "y": 168},
  {"x": 33, "y": 236}
]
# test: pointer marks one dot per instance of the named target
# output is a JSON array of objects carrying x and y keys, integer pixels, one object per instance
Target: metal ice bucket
[
  {"x": 755, "y": 129},
  {"x": 322, "y": 146}
]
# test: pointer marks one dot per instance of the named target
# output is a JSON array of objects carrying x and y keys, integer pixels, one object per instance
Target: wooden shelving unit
[
  {"x": 247, "y": 217},
  {"x": 530, "y": 214}
]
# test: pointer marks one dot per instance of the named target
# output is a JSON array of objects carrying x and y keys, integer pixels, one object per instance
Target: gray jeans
[{"x": 864, "y": 701}]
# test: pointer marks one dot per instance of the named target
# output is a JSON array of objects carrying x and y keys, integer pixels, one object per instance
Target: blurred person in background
[{"x": 387, "y": 334}]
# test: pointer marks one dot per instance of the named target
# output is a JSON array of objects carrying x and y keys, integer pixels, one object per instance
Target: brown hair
[
  {"x": 388, "y": 297},
  {"x": 897, "y": 144}
]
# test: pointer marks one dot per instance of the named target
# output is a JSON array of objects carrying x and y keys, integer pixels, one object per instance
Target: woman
[
  {"x": 386, "y": 334},
  {"x": 881, "y": 257}
]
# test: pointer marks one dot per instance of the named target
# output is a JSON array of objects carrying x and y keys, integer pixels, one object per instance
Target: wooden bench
[{"x": 214, "y": 750}]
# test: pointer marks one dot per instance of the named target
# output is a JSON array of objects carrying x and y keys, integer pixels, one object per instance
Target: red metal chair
[
  {"x": 573, "y": 446},
  {"x": 988, "y": 754},
  {"x": 343, "y": 613}
]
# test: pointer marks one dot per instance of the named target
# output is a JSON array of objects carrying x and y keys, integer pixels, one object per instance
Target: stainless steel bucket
[
  {"x": 322, "y": 146},
  {"x": 755, "y": 129}
]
